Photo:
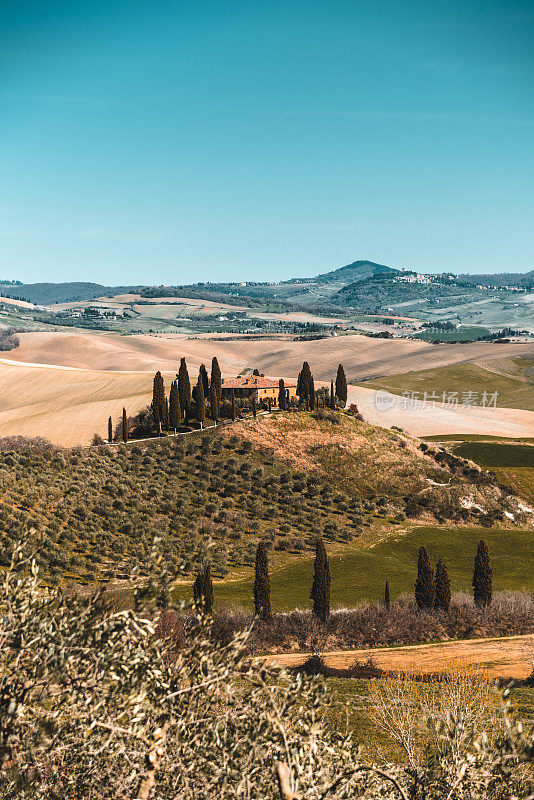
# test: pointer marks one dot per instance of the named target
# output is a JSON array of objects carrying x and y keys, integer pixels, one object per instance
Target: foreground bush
[
  {"x": 96, "y": 703},
  {"x": 374, "y": 625}
]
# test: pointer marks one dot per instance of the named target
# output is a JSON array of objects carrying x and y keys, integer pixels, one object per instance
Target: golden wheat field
[
  {"x": 361, "y": 356},
  {"x": 64, "y": 385}
]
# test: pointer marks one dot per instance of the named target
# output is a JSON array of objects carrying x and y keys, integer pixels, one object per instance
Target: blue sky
[{"x": 146, "y": 141}]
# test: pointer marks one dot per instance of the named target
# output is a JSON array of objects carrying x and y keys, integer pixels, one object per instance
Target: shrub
[
  {"x": 115, "y": 709},
  {"x": 373, "y": 625},
  {"x": 8, "y": 339}
]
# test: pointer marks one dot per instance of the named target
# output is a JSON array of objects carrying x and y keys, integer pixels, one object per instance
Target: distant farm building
[{"x": 263, "y": 388}]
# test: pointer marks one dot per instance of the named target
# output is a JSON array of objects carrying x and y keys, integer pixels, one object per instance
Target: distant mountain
[
  {"x": 43, "y": 294},
  {"x": 361, "y": 284},
  {"x": 357, "y": 271},
  {"x": 379, "y": 292}
]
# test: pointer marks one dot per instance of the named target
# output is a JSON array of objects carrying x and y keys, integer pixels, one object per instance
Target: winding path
[{"x": 497, "y": 657}]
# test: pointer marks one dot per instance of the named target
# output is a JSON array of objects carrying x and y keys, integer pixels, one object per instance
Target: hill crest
[{"x": 354, "y": 272}]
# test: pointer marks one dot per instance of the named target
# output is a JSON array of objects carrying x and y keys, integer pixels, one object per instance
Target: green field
[
  {"x": 359, "y": 574},
  {"x": 513, "y": 464},
  {"x": 520, "y": 479},
  {"x": 474, "y": 437},
  {"x": 497, "y": 454},
  {"x": 461, "y": 334},
  {"x": 514, "y": 390}
]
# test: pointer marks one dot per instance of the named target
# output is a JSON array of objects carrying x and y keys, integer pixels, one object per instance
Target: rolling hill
[
  {"x": 357, "y": 271},
  {"x": 287, "y": 478},
  {"x": 76, "y": 291},
  {"x": 40, "y": 397}
]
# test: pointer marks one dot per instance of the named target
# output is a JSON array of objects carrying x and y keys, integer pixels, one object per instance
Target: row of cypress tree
[
  {"x": 320, "y": 591},
  {"x": 310, "y": 398},
  {"x": 186, "y": 402},
  {"x": 183, "y": 401},
  {"x": 182, "y": 397},
  {"x": 432, "y": 588}
]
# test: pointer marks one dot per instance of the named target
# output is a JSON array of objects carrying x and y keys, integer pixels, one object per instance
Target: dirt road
[{"x": 507, "y": 657}]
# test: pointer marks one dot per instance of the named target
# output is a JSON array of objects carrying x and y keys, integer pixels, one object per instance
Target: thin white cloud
[
  {"x": 61, "y": 99},
  {"x": 148, "y": 237},
  {"x": 410, "y": 116}
]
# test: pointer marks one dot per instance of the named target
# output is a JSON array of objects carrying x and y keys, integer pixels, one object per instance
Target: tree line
[
  {"x": 432, "y": 586},
  {"x": 186, "y": 403}
]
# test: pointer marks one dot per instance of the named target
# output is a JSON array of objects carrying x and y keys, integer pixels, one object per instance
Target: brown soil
[{"x": 509, "y": 657}]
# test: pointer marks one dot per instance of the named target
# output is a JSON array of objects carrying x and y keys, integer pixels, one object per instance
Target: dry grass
[
  {"x": 357, "y": 457},
  {"x": 439, "y": 718},
  {"x": 364, "y": 460},
  {"x": 360, "y": 355},
  {"x": 68, "y": 408}
]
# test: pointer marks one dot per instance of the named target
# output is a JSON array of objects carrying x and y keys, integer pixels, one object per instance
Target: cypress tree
[
  {"x": 269, "y": 404},
  {"x": 110, "y": 430},
  {"x": 203, "y": 589},
  {"x": 254, "y": 406},
  {"x": 311, "y": 386},
  {"x": 175, "y": 416},
  {"x": 332, "y": 395},
  {"x": 341, "y": 387},
  {"x": 214, "y": 403},
  {"x": 216, "y": 379},
  {"x": 197, "y": 591},
  {"x": 166, "y": 416},
  {"x": 320, "y": 591},
  {"x": 158, "y": 401},
  {"x": 482, "y": 576},
  {"x": 442, "y": 598},
  {"x": 306, "y": 387},
  {"x": 281, "y": 395},
  {"x": 205, "y": 383},
  {"x": 184, "y": 386},
  {"x": 124, "y": 426},
  {"x": 200, "y": 402},
  {"x": 424, "y": 585},
  {"x": 387, "y": 601},
  {"x": 262, "y": 584},
  {"x": 208, "y": 590},
  {"x": 234, "y": 410},
  {"x": 157, "y": 419},
  {"x": 300, "y": 390}
]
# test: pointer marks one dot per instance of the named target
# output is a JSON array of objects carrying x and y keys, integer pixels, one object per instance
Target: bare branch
[
  {"x": 284, "y": 781},
  {"x": 153, "y": 757},
  {"x": 351, "y": 772}
]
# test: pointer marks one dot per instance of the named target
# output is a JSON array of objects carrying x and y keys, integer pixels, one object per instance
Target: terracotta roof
[{"x": 254, "y": 382}]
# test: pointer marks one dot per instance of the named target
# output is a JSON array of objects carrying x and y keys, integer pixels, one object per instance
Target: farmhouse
[{"x": 260, "y": 386}]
